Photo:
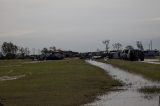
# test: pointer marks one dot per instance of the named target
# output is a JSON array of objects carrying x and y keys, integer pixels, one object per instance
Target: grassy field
[
  {"x": 158, "y": 57},
  {"x": 148, "y": 70},
  {"x": 52, "y": 83}
]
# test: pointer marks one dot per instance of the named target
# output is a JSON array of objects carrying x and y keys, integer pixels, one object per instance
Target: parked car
[{"x": 114, "y": 54}]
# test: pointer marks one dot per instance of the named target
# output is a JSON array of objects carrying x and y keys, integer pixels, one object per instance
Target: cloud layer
[{"x": 78, "y": 24}]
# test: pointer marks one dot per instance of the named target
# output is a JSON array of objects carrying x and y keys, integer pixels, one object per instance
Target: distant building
[
  {"x": 148, "y": 53},
  {"x": 70, "y": 54}
]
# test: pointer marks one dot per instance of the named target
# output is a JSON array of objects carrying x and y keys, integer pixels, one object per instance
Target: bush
[{"x": 10, "y": 56}]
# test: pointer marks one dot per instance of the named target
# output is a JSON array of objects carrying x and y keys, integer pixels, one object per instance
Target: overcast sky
[{"x": 79, "y": 25}]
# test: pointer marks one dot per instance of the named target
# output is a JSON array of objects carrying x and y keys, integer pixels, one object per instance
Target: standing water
[{"x": 129, "y": 96}]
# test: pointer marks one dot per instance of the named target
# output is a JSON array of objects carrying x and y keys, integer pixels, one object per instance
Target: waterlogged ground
[
  {"x": 152, "y": 61},
  {"x": 129, "y": 94}
]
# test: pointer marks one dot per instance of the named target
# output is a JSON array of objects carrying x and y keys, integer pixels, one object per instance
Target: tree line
[
  {"x": 10, "y": 51},
  {"x": 118, "y": 46}
]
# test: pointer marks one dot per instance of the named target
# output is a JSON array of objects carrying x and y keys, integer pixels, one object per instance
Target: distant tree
[
  {"x": 139, "y": 45},
  {"x": 44, "y": 51},
  {"x": 129, "y": 47},
  {"x": 52, "y": 49},
  {"x": 9, "y": 48},
  {"x": 21, "y": 51},
  {"x": 117, "y": 46},
  {"x": 26, "y": 51},
  {"x": 106, "y": 43}
]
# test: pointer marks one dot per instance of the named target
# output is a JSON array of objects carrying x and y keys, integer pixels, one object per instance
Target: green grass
[
  {"x": 151, "y": 71},
  {"x": 150, "y": 90},
  {"x": 52, "y": 83},
  {"x": 158, "y": 57}
]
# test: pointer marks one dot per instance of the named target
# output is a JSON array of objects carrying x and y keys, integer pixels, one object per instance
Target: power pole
[{"x": 151, "y": 44}]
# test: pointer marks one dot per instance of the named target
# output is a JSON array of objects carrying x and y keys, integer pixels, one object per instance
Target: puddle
[
  {"x": 130, "y": 96},
  {"x": 152, "y": 61},
  {"x": 6, "y": 78}
]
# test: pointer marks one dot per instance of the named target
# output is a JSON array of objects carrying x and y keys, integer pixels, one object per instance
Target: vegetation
[
  {"x": 129, "y": 47},
  {"x": 117, "y": 46},
  {"x": 106, "y": 43},
  {"x": 158, "y": 57},
  {"x": 139, "y": 45},
  {"x": 52, "y": 83},
  {"x": 50, "y": 50},
  {"x": 153, "y": 89},
  {"x": 9, "y": 48},
  {"x": 12, "y": 51},
  {"x": 148, "y": 70}
]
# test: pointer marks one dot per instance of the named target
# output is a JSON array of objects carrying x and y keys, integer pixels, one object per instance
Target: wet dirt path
[{"x": 129, "y": 95}]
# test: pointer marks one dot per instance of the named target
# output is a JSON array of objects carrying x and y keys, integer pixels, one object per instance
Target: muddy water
[{"x": 129, "y": 95}]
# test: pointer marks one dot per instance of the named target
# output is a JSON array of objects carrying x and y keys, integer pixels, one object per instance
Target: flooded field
[{"x": 129, "y": 95}]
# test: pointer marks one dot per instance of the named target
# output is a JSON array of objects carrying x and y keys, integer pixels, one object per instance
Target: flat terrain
[
  {"x": 52, "y": 83},
  {"x": 148, "y": 70},
  {"x": 158, "y": 57}
]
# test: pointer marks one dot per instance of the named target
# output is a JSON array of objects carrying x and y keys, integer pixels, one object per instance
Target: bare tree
[
  {"x": 26, "y": 51},
  {"x": 117, "y": 46},
  {"x": 21, "y": 50},
  {"x": 139, "y": 45},
  {"x": 106, "y": 43}
]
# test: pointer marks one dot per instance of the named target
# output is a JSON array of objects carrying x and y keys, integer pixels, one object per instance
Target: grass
[
  {"x": 158, "y": 57},
  {"x": 52, "y": 83},
  {"x": 151, "y": 71},
  {"x": 150, "y": 90}
]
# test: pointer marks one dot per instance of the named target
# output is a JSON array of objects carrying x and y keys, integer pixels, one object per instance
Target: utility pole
[
  {"x": 33, "y": 50},
  {"x": 151, "y": 44}
]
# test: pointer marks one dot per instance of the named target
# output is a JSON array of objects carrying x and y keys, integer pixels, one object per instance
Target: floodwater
[{"x": 129, "y": 95}]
